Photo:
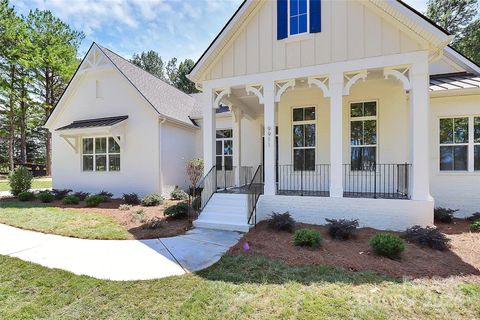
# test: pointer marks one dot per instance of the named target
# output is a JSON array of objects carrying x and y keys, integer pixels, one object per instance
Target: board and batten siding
[{"x": 350, "y": 30}]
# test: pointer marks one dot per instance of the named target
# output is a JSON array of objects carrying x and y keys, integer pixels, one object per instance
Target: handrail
[
  {"x": 254, "y": 193},
  {"x": 208, "y": 185},
  {"x": 203, "y": 178}
]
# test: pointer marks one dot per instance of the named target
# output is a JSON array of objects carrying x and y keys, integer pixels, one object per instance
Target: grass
[
  {"x": 72, "y": 223},
  {"x": 37, "y": 183},
  {"x": 234, "y": 288}
]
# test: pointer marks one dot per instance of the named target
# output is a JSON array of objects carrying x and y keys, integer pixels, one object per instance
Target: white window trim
[
  {"x": 94, "y": 154},
  {"x": 292, "y": 36},
  {"x": 470, "y": 145},
  {"x": 351, "y": 119},
  {"x": 293, "y": 123},
  {"x": 223, "y": 141}
]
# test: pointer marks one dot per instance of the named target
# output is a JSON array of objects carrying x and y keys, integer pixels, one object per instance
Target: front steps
[{"x": 225, "y": 211}]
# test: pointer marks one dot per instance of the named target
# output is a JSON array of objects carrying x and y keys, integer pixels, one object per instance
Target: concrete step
[
  {"x": 207, "y": 224},
  {"x": 218, "y": 216},
  {"x": 226, "y": 209}
]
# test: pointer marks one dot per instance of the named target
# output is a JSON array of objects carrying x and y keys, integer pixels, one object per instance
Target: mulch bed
[
  {"x": 138, "y": 230},
  {"x": 463, "y": 259}
]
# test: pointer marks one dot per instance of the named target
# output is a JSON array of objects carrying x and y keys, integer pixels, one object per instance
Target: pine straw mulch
[{"x": 463, "y": 258}]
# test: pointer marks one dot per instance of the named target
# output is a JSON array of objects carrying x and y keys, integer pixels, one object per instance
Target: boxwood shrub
[
  {"x": 20, "y": 180},
  {"x": 26, "y": 196},
  {"x": 152, "y": 200},
  {"x": 94, "y": 200},
  {"x": 307, "y": 238},
  {"x": 71, "y": 199},
  {"x": 45, "y": 196},
  {"x": 387, "y": 244},
  {"x": 177, "y": 211}
]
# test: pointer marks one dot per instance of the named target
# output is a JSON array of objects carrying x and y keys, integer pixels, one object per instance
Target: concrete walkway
[{"x": 119, "y": 259}]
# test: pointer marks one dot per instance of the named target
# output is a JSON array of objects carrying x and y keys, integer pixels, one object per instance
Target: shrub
[
  {"x": 444, "y": 215},
  {"x": 177, "y": 211},
  {"x": 70, "y": 199},
  {"x": 26, "y": 196},
  {"x": 179, "y": 194},
  {"x": 152, "y": 200},
  {"x": 307, "y": 238},
  {"x": 194, "y": 171},
  {"x": 45, "y": 196},
  {"x": 281, "y": 222},
  {"x": 475, "y": 216},
  {"x": 429, "y": 237},
  {"x": 61, "y": 193},
  {"x": 138, "y": 215},
  {"x": 94, "y": 200},
  {"x": 475, "y": 226},
  {"x": 153, "y": 223},
  {"x": 388, "y": 245},
  {"x": 131, "y": 198},
  {"x": 342, "y": 229},
  {"x": 197, "y": 203},
  {"x": 81, "y": 195},
  {"x": 20, "y": 180},
  {"x": 125, "y": 207},
  {"x": 106, "y": 195}
]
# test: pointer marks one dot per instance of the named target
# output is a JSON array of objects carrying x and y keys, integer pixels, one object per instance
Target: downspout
[{"x": 160, "y": 154}]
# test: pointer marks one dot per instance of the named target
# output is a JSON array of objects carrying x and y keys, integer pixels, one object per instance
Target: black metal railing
[
  {"x": 246, "y": 175},
  {"x": 314, "y": 182},
  {"x": 207, "y": 186},
  {"x": 254, "y": 190},
  {"x": 389, "y": 181},
  {"x": 225, "y": 177}
]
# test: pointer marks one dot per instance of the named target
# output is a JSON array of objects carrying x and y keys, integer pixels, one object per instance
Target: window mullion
[{"x": 471, "y": 148}]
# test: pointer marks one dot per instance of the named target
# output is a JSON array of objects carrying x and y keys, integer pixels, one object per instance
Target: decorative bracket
[
  {"x": 400, "y": 74},
  {"x": 256, "y": 89},
  {"x": 352, "y": 79},
  {"x": 95, "y": 61},
  {"x": 282, "y": 87},
  {"x": 320, "y": 82},
  {"x": 218, "y": 95},
  {"x": 74, "y": 144}
]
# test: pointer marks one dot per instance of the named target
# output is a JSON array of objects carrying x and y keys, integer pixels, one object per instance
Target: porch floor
[{"x": 369, "y": 195}]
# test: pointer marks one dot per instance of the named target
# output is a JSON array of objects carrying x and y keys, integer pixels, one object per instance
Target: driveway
[{"x": 119, "y": 259}]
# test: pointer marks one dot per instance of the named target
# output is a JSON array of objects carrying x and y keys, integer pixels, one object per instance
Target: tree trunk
[
  {"x": 23, "y": 124},
  {"x": 48, "y": 106},
  {"x": 11, "y": 122}
]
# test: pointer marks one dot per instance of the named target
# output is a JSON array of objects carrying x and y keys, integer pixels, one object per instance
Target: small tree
[
  {"x": 194, "y": 171},
  {"x": 20, "y": 180}
]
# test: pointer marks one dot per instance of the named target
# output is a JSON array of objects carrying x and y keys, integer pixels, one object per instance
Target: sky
[{"x": 173, "y": 28}]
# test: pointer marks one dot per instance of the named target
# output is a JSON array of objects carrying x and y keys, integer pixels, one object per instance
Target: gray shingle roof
[
  {"x": 452, "y": 81},
  {"x": 91, "y": 123},
  {"x": 166, "y": 100}
]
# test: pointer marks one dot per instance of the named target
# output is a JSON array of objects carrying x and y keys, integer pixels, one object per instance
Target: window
[
  {"x": 454, "y": 144},
  {"x": 100, "y": 154},
  {"x": 363, "y": 135},
  {"x": 224, "y": 149},
  {"x": 476, "y": 143},
  {"x": 298, "y": 16},
  {"x": 304, "y": 134}
]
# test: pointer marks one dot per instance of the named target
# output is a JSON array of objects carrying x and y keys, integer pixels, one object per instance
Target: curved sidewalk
[{"x": 119, "y": 259}]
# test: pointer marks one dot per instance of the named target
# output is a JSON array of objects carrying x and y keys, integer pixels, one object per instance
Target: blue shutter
[
  {"x": 315, "y": 16},
  {"x": 282, "y": 19}
]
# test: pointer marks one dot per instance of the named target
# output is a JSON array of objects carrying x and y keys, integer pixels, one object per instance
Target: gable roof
[
  {"x": 166, "y": 100},
  {"x": 399, "y": 10}
]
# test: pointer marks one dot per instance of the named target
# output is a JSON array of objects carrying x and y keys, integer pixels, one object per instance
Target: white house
[
  {"x": 339, "y": 109},
  {"x": 336, "y": 109},
  {"x": 120, "y": 129}
]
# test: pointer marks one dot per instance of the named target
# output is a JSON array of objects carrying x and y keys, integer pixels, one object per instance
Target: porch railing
[
  {"x": 313, "y": 182},
  {"x": 227, "y": 176},
  {"x": 254, "y": 190},
  {"x": 207, "y": 186},
  {"x": 388, "y": 181}
]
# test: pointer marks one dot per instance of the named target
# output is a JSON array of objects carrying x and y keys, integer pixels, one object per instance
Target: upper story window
[{"x": 298, "y": 16}]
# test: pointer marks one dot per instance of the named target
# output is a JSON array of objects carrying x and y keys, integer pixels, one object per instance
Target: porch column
[
  {"x": 209, "y": 112},
  {"x": 336, "y": 134},
  {"x": 269, "y": 145},
  {"x": 419, "y": 130},
  {"x": 237, "y": 135}
]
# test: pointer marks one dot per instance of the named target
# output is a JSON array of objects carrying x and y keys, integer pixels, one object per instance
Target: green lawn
[
  {"x": 41, "y": 217},
  {"x": 234, "y": 288},
  {"x": 37, "y": 183}
]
